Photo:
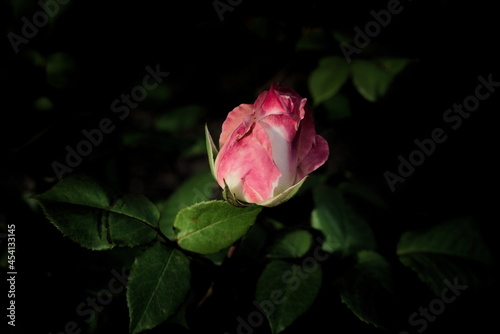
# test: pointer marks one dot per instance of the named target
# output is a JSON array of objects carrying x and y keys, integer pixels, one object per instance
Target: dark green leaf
[
  {"x": 196, "y": 189},
  {"x": 158, "y": 285},
  {"x": 373, "y": 78},
  {"x": 196, "y": 149},
  {"x": 345, "y": 231},
  {"x": 453, "y": 249},
  {"x": 342, "y": 37},
  {"x": 326, "y": 80},
  {"x": 43, "y": 103},
  {"x": 285, "y": 291},
  {"x": 252, "y": 244},
  {"x": 60, "y": 69},
  {"x": 208, "y": 227},
  {"x": 149, "y": 139},
  {"x": 87, "y": 213},
  {"x": 367, "y": 288},
  {"x": 180, "y": 119},
  {"x": 160, "y": 93},
  {"x": 292, "y": 244}
]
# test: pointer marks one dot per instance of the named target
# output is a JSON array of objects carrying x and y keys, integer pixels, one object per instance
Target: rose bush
[{"x": 267, "y": 149}]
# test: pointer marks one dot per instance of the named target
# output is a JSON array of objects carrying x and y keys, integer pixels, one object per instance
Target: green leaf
[
  {"x": 285, "y": 291},
  {"x": 219, "y": 257},
  {"x": 367, "y": 289},
  {"x": 208, "y": 227},
  {"x": 149, "y": 139},
  {"x": 326, "y": 80},
  {"x": 195, "y": 149},
  {"x": 158, "y": 285},
  {"x": 60, "y": 70},
  {"x": 43, "y": 103},
  {"x": 373, "y": 78},
  {"x": 196, "y": 189},
  {"x": 452, "y": 249},
  {"x": 94, "y": 217},
  {"x": 180, "y": 119},
  {"x": 160, "y": 94},
  {"x": 252, "y": 244},
  {"x": 292, "y": 244},
  {"x": 211, "y": 151},
  {"x": 345, "y": 231},
  {"x": 342, "y": 37}
]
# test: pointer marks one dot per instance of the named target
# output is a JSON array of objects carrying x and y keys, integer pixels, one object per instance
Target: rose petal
[
  {"x": 315, "y": 158},
  {"x": 291, "y": 102},
  {"x": 305, "y": 136},
  {"x": 235, "y": 118},
  {"x": 247, "y": 166},
  {"x": 257, "y": 105},
  {"x": 281, "y": 131},
  {"x": 272, "y": 105}
]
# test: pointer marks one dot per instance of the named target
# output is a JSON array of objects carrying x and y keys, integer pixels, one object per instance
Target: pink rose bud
[{"x": 266, "y": 150}]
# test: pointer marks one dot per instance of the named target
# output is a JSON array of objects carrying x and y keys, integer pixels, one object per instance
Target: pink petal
[
  {"x": 246, "y": 165},
  {"x": 281, "y": 131},
  {"x": 315, "y": 158},
  {"x": 237, "y": 116},
  {"x": 257, "y": 105},
  {"x": 271, "y": 105},
  {"x": 279, "y": 100},
  {"x": 306, "y": 136}
]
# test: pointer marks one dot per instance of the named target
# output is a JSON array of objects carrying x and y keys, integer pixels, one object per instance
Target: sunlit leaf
[{"x": 208, "y": 227}]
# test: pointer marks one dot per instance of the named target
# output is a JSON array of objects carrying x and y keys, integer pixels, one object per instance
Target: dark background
[{"x": 219, "y": 65}]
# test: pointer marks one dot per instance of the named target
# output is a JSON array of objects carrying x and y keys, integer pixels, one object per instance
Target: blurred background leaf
[
  {"x": 451, "y": 250},
  {"x": 326, "y": 80},
  {"x": 207, "y": 227},
  {"x": 373, "y": 78},
  {"x": 292, "y": 244},
  {"x": 344, "y": 230}
]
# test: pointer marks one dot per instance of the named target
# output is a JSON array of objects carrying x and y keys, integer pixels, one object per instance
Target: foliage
[{"x": 138, "y": 191}]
